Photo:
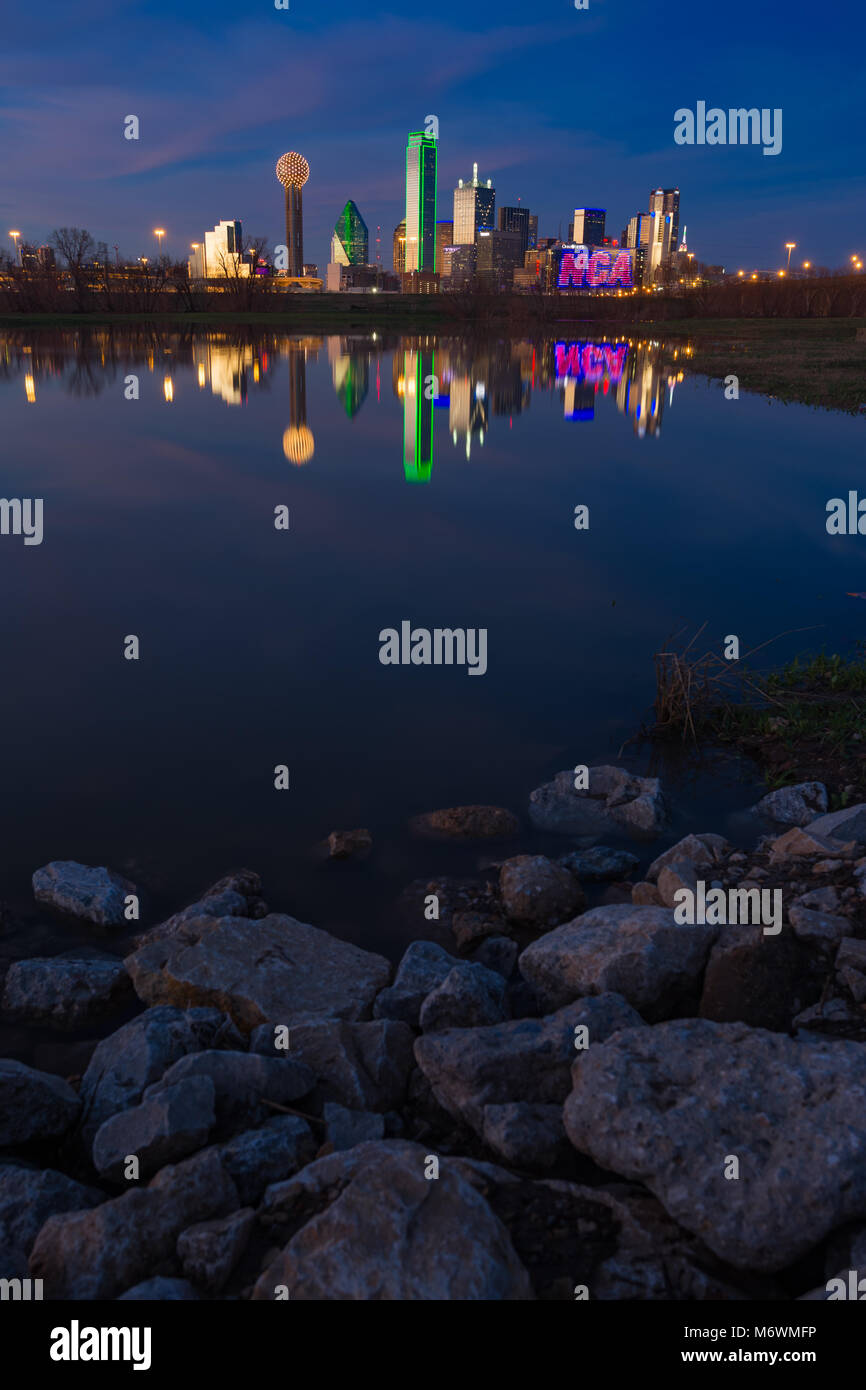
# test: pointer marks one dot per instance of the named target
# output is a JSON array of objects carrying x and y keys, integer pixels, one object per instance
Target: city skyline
[{"x": 503, "y": 96}]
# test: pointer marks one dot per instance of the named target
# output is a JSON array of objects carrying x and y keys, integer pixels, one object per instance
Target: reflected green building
[
  {"x": 350, "y": 242},
  {"x": 417, "y": 417}
]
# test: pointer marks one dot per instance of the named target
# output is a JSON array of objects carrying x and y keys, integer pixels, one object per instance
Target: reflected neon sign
[
  {"x": 581, "y": 268},
  {"x": 591, "y": 361}
]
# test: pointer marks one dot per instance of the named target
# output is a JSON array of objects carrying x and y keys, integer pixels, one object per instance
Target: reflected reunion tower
[{"x": 293, "y": 172}]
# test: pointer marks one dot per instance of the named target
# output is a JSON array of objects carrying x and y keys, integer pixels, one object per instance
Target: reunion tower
[{"x": 293, "y": 172}]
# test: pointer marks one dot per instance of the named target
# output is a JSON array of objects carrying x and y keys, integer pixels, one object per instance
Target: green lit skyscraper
[
  {"x": 421, "y": 202},
  {"x": 349, "y": 245},
  {"x": 418, "y": 369}
]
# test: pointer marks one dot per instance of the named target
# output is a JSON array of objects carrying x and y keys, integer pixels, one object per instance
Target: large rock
[
  {"x": 33, "y": 1104},
  {"x": 470, "y": 996},
  {"x": 381, "y": 1230},
  {"x": 271, "y": 1153},
  {"x": 538, "y": 893},
  {"x": 28, "y": 1196},
  {"x": 243, "y": 1083},
  {"x": 637, "y": 952},
  {"x": 227, "y": 903},
  {"x": 162, "y": 1130},
  {"x": 524, "y": 1134},
  {"x": 64, "y": 993},
  {"x": 596, "y": 865},
  {"x": 275, "y": 970},
  {"x": 671, "y": 1106},
  {"x": 849, "y": 824},
  {"x": 161, "y": 1290},
  {"x": 97, "y": 895},
  {"x": 137, "y": 1054},
  {"x": 702, "y": 851},
  {"x": 423, "y": 967},
  {"x": 804, "y": 842},
  {"x": 614, "y": 801},
  {"x": 364, "y": 1066},
  {"x": 467, "y": 823},
  {"x": 348, "y": 1128},
  {"x": 99, "y": 1253},
  {"x": 528, "y": 1059},
  {"x": 796, "y": 805},
  {"x": 209, "y": 1251},
  {"x": 765, "y": 981}
]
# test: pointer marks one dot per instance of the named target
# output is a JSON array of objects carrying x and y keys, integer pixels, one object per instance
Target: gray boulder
[
  {"x": 97, "y": 895},
  {"x": 470, "y": 996},
  {"x": 63, "y": 993},
  {"x": 423, "y": 967},
  {"x": 525, "y": 1134},
  {"x": 28, "y": 1196},
  {"x": 538, "y": 893},
  {"x": 849, "y": 824},
  {"x": 275, "y": 969},
  {"x": 209, "y": 1251},
  {"x": 161, "y": 1130},
  {"x": 271, "y": 1153},
  {"x": 598, "y": 864},
  {"x": 614, "y": 801},
  {"x": 702, "y": 851},
  {"x": 671, "y": 1106},
  {"x": 348, "y": 1128},
  {"x": 243, "y": 1084},
  {"x": 33, "y": 1104},
  {"x": 637, "y": 952},
  {"x": 161, "y": 1290},
  {"x": 497, "y": 953},
  {"x": 383, "y": 1231},
  {"x": 364, "y": 1066},
  {"x": 795, "y": 805}
]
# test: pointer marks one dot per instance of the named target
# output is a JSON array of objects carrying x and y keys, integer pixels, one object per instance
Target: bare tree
[{"x": 76, "y": 248}]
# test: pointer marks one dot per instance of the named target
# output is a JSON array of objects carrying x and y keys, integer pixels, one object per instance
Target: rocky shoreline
[{"x": 551, "y": 1100}]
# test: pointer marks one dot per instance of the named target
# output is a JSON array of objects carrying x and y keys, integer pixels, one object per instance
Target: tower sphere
[{"x": 293, "y": 170}]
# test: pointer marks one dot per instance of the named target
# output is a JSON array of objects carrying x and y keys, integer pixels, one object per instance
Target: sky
[{"x": 561, "y": 108}]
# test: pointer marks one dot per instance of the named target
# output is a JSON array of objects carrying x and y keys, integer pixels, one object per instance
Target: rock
[
  {"x": 637, "y": 952},
  {"x": 669, "y": 1106},
  {"x": 63, "y": 993},
  {"x": 849, "y": 824},
  {"x": 348, "y": 844},
  {"x": 524, "y": 1134},
  {"x": 833, "y": 1017},
  {"x": 796, "y": 805},
  {"x": 470, "y": 996},
  {"x": 537, "y": 893},
  {"x": 497, "y": 953},
  {"x": 469, "y": 928},
  {"x": 28, "y": 1196},
  {"x": 850, "y": 966},
  {"x": 467, "y": 823},
  {"x": 674, "y": 877},
  {"x": 528, "y": 1059},
  {"x": 127, "y": 1062},
  {"x": 228, "y": 903},
  {"x": 614, "y": 800},
  {"x": 97, "y": 895},
  {"x": 364, "y": 1066},
  {"x": 423, "y": 967},
  {"x": 33, "y": 1104},
  {"x": 160, "y": 1130},
  {"x": 95, "y": 1254},
  {"x": 760, "y": 980},
  {"x": 274, "y": 970},
  {"x": 382, "y": 1231},
  {"x": 209, "y": 1251},
  {"x": 271, "y": 1153},
  {"x": 703, "y": 851},
  {"x": 161, "y": 1290},
  {"x": 644, "y": 895},
  {"x": 819, "y": 900},
  {"x": 242, "y": 1083},
  {"x": 348, "y": 1128},
  {"x": 817, "y": 926},
  {"x": 799, "y": 843},
  {"x": 596, "y": 865}
]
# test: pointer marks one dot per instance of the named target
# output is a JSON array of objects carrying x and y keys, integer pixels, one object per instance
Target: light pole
[
  {"x": 15, "y": 236},
  {"x": 789, "y": 247},
  {"x": 159, "y": 233}
]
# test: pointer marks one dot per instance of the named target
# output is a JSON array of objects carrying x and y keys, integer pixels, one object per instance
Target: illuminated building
[
  {"x": 588, "y": 268},
  {"x": 421, "y": 159},
  {"x": 400, "y": 247},
  {"x": 350, "y": 372},
  {"x": 532, "y": 241},
  {"x": 221, "y": 254},
  {"x": 667, "y": 201},
  {"x": 587, "y": 226},
  {"x": 293, "y": 172},
  {"x": 417, "y": 416},
  {"x": 499, "y": 253},
  {"x": 516, "y": 220},
  {"x": 444, "y": 237},
  {"x": 474, "y": 204},
  {"x": 349, "y": 244}
]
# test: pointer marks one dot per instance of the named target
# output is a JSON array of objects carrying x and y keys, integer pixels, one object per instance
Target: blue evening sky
[{"x": 563, "y": 108}]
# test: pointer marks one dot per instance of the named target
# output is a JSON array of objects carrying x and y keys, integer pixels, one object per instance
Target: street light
[
  {"x": 15, "y": 236},
  {"x": 789, "y": 247},
  {"x": 807, "y": 265},
  {"x": 159, "y": 233}
]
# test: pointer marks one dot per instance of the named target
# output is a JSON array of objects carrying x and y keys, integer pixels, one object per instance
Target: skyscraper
[
  {"x": 400, "y": 247},
  {"x": 516, "y": 220},
  {"x": 421, "y": 158},
  {"x": 667, "y": 200},
  {"x": 444, "y": 237},
  {"x": 474, "y": 204},
  {"x": 532, "y": 241},
  {"x": 587, "y": 226},
  {"x": 638, "y": 232},
  {"x": 293, "y": 172},
  {"x": 349, "y": 244}
]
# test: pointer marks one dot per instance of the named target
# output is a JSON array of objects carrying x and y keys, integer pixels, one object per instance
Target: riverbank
[{"x": 283, "y": 1101}]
